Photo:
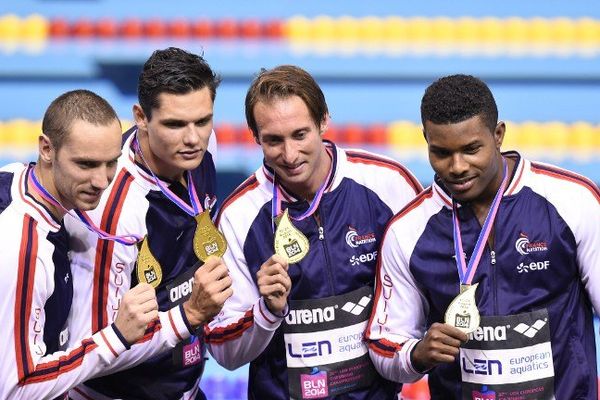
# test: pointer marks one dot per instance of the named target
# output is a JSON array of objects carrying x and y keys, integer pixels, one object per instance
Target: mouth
[
  {"x": 295, "y": 169},
  {"x": 91, "y": 196},
  {"x": 190, "y": 154},
  {"x": 460, "y": 185}
]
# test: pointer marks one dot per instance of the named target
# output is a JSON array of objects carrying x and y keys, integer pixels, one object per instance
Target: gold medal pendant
[
  {"x": 290, "y": 243},
  {"x": 208, "y": 241},
  {"x": 462, "y": 311},
  {"x": 147, "y": 266}
]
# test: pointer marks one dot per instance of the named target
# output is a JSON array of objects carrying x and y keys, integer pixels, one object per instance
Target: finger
[
  {"x": 219, "y": 272},
  {"x": 276, "y": 289},
  {"x": 141, "y": 288},
  {"x": 223, "y": 296},
  {"x": 453, "y": 332},
  {"x": 277, "y": 259},
  {"x": 211, "y": 263},
  {"x": 274, "y": 269},
  {"x": 225, "y": 283},
  {"x": 272, "y": 279}
]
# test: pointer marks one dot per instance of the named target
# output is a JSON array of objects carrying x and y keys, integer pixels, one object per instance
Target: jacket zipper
[{"x": 320, "y": 222}]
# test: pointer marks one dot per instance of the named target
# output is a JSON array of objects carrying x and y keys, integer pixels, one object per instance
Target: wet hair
[
  {"x": 75, "y": 105},
  {"x": 283, "y": 82},
  {"x": 173, "y": 71},
  {"x": 456, "y": 98}
]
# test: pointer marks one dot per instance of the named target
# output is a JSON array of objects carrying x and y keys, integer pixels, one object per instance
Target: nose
[
  {"x": 192, "y": 136},
  {"x": 458, "y": 165},
  {"x": 290, "y": 153},
  {"x": 101, "y": 177}
]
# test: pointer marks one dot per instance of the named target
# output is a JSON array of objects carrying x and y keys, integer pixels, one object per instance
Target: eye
[
  {"x": 439, "y": 152},
  {"x": 472, "y": 149},
  {"x": 203, "y": 122},
  {"x": 85, "y": 164},
  {"x": 299, "y": 135}
]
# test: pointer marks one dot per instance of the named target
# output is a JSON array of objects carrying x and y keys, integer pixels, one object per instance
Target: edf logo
[{"x": 310, "y": 349}]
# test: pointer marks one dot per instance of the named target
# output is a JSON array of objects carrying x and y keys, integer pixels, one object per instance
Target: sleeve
[
  {"x": 587, "y": 236},
  {"x": 245, "y": 326},
  {"x": 398, "y": 318},
  {"x": 163, "y": 334},
  {"x": 105, "y": 269},
  {"x": 28, "y": 371}
]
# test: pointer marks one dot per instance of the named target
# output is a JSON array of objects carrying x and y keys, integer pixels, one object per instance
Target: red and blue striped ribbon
[
  {"x": 196, "y": 206},
  {"x": 313, "y": 205},
  {"x": 127, "y": 240},
  {"x": 467, "y": 272}
]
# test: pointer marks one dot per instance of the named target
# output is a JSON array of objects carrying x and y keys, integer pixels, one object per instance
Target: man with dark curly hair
[{"x": 487, "y": 279}]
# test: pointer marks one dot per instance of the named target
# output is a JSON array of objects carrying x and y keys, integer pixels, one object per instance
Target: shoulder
[
  {"x": 245, "y": 198},
  {"x": 368, "y": 163},
  {"x": 561, "y": 185}
]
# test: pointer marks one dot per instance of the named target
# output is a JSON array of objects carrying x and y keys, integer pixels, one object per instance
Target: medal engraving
[
  {"x": 208, "y": 241},
  {"x": 290, "y": 243},
  {"x": 462, "y": 311},
  {"x": 147, "y": 266}
]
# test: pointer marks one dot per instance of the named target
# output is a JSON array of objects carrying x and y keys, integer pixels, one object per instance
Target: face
[
  {"x": 176, "y": 137},
  {"x": 292, "y": 145},
  {"x": 85, "y": 164},
  {"x": 466, "y": 157}
]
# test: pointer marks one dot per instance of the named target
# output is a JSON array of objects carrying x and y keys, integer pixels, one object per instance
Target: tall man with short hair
[
  {"x": 488, "y": 278},
  {"x": 164, "y": 191},
  {"x": 298, "y": 313}
]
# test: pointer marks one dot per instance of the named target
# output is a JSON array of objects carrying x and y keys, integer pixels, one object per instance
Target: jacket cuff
[{"x": 265, "y": 318}]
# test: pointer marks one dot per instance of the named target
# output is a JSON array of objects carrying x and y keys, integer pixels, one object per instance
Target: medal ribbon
[
  {"x": 196, "y": 206},
  {"x": 467, "y": 272},
  {"x": 127, "y": 240},
  {"x": 313, "y": 205}
]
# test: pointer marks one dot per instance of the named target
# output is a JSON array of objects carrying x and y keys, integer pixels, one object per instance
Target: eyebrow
[
  {"x": 466, "y": 146},
  {"x": 207, "y": 117}
]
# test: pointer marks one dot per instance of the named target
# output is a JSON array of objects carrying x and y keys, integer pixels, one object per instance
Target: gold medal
[
  {"x": 208, "y": 241},
  {"x": 147, "y": 266},
  {"x": 290, "y": 243},
  {"x": 462, "y": 311}
]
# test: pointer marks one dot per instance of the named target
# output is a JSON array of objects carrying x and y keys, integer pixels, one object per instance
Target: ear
[
  {"x": 46, "y": 149},
  {"x": 499, "y": 134},
  {"x": 324, "y": 124},
  {"x": 140, "y": 118}
]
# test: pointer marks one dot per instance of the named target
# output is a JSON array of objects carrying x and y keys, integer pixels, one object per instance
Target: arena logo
[
  {"x": 489, "y": 333},
  {"x": 354, "y": 239},
  {"x": 524, "y": 246},
  {"x": 182, "y": 290},
  {"x": 311, "y": 316}
]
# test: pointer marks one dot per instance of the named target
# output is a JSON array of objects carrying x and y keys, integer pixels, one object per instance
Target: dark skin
[{"x": 466, "y": 157}]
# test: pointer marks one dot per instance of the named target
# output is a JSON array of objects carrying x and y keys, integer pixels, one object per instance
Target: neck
[
  {"x": 481, "y": 206},
  {"x": 154, "y": 163},
  {"x": 44, "y": 177}
]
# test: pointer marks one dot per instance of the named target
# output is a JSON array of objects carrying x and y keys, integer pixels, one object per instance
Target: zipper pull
[
  {"x": 321, "y": 235},
  {"x": 493, "y": 255}
]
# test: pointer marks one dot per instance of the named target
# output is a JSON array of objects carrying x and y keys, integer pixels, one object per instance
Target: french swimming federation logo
[
  {"x": 354, "y": 239},
  {"x": 524, "y": 246}
]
